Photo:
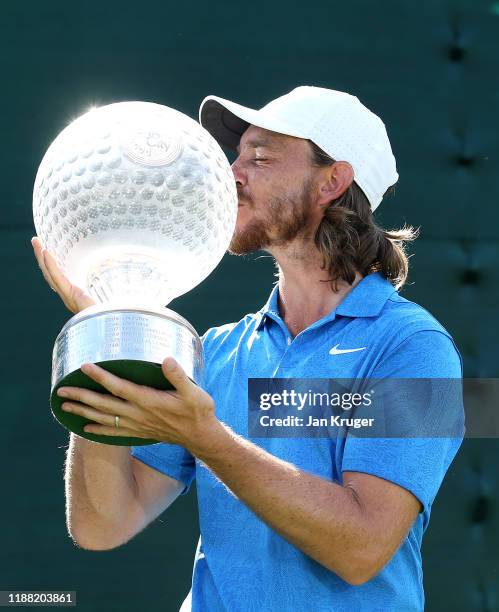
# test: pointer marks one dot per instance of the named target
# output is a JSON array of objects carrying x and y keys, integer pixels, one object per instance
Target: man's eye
[{"x": 259, "y": 159}]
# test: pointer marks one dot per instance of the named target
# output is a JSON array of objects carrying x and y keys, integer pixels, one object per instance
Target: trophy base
[
  {"x": 139, "y": 372},
  {"x": 130, "y": 343}
]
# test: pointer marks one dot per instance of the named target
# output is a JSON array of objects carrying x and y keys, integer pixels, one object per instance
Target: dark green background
[{"x": 429, "y": 69}]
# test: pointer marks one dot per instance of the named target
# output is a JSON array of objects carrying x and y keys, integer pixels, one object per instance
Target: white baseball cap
[{"x": 335, "y": 121}]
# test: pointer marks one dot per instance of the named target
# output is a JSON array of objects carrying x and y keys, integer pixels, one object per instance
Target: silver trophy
[{"x": 138, "y": 204}]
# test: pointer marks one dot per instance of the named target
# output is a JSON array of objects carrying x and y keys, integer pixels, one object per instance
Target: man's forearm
[
  {"x": 100, "y": 488},
  {"x": 321, "y": 518}
]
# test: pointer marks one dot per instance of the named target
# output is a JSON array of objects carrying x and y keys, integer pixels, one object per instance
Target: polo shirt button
[{"x": 289, "y": 341}]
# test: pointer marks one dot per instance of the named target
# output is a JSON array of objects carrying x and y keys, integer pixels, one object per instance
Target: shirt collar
[
  {"x": 366, "y": 299},
  {"x": 270, "y": 309}
]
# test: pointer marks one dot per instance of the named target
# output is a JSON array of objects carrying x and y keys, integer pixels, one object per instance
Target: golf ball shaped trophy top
[{"x": 138, "y": 203}]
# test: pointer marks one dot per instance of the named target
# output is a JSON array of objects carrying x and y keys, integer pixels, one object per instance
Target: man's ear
[{"x": 336, "y": 179}]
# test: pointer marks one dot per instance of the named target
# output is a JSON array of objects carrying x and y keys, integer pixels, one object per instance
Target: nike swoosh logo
[{"x": 336, "y": 351}]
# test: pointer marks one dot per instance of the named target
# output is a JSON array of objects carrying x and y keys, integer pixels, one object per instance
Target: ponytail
[{"x": 349, "y": 239}]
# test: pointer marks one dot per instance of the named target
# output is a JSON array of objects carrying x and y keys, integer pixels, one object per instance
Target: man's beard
[{"x": 286, "y": 217}]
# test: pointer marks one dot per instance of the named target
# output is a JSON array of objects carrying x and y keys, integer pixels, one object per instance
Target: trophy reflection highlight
[{"x": 138, "y": 204}]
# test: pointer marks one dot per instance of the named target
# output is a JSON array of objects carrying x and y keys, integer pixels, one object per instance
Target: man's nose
[{"x": 239, "y": 175}]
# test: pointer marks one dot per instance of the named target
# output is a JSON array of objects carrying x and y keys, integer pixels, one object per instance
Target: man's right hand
[{"x": 74, "y": 298}]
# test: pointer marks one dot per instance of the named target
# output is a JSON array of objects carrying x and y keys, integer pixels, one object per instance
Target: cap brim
[{"x": 227, "y": 121}]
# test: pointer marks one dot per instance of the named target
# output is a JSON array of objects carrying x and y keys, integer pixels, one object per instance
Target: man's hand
[
  {"x": 74, "y": 298},
  {"x": 183, "y": 416}
]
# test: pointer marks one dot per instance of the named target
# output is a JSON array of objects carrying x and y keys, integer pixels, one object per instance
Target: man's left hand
[{"x": 182, "y": 416}]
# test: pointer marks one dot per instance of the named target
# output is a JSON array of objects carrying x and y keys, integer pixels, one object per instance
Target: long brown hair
[{"x": 349, "y": 239}]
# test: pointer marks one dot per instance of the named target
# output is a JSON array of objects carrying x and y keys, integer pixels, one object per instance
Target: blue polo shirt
[{"x": 241, "y": 564}]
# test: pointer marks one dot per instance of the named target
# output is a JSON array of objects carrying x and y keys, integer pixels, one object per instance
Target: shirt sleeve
[
  {"x": 415, "y": 463},
  {"x": 170, "y": 459}
]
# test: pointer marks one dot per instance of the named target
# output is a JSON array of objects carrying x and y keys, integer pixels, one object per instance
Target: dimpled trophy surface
[
  {"x": 132, "y": 196},
  {"x": 138, "y": 204}
]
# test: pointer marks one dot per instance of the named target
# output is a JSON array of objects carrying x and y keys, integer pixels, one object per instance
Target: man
[{"x": 286, "y": 524}]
